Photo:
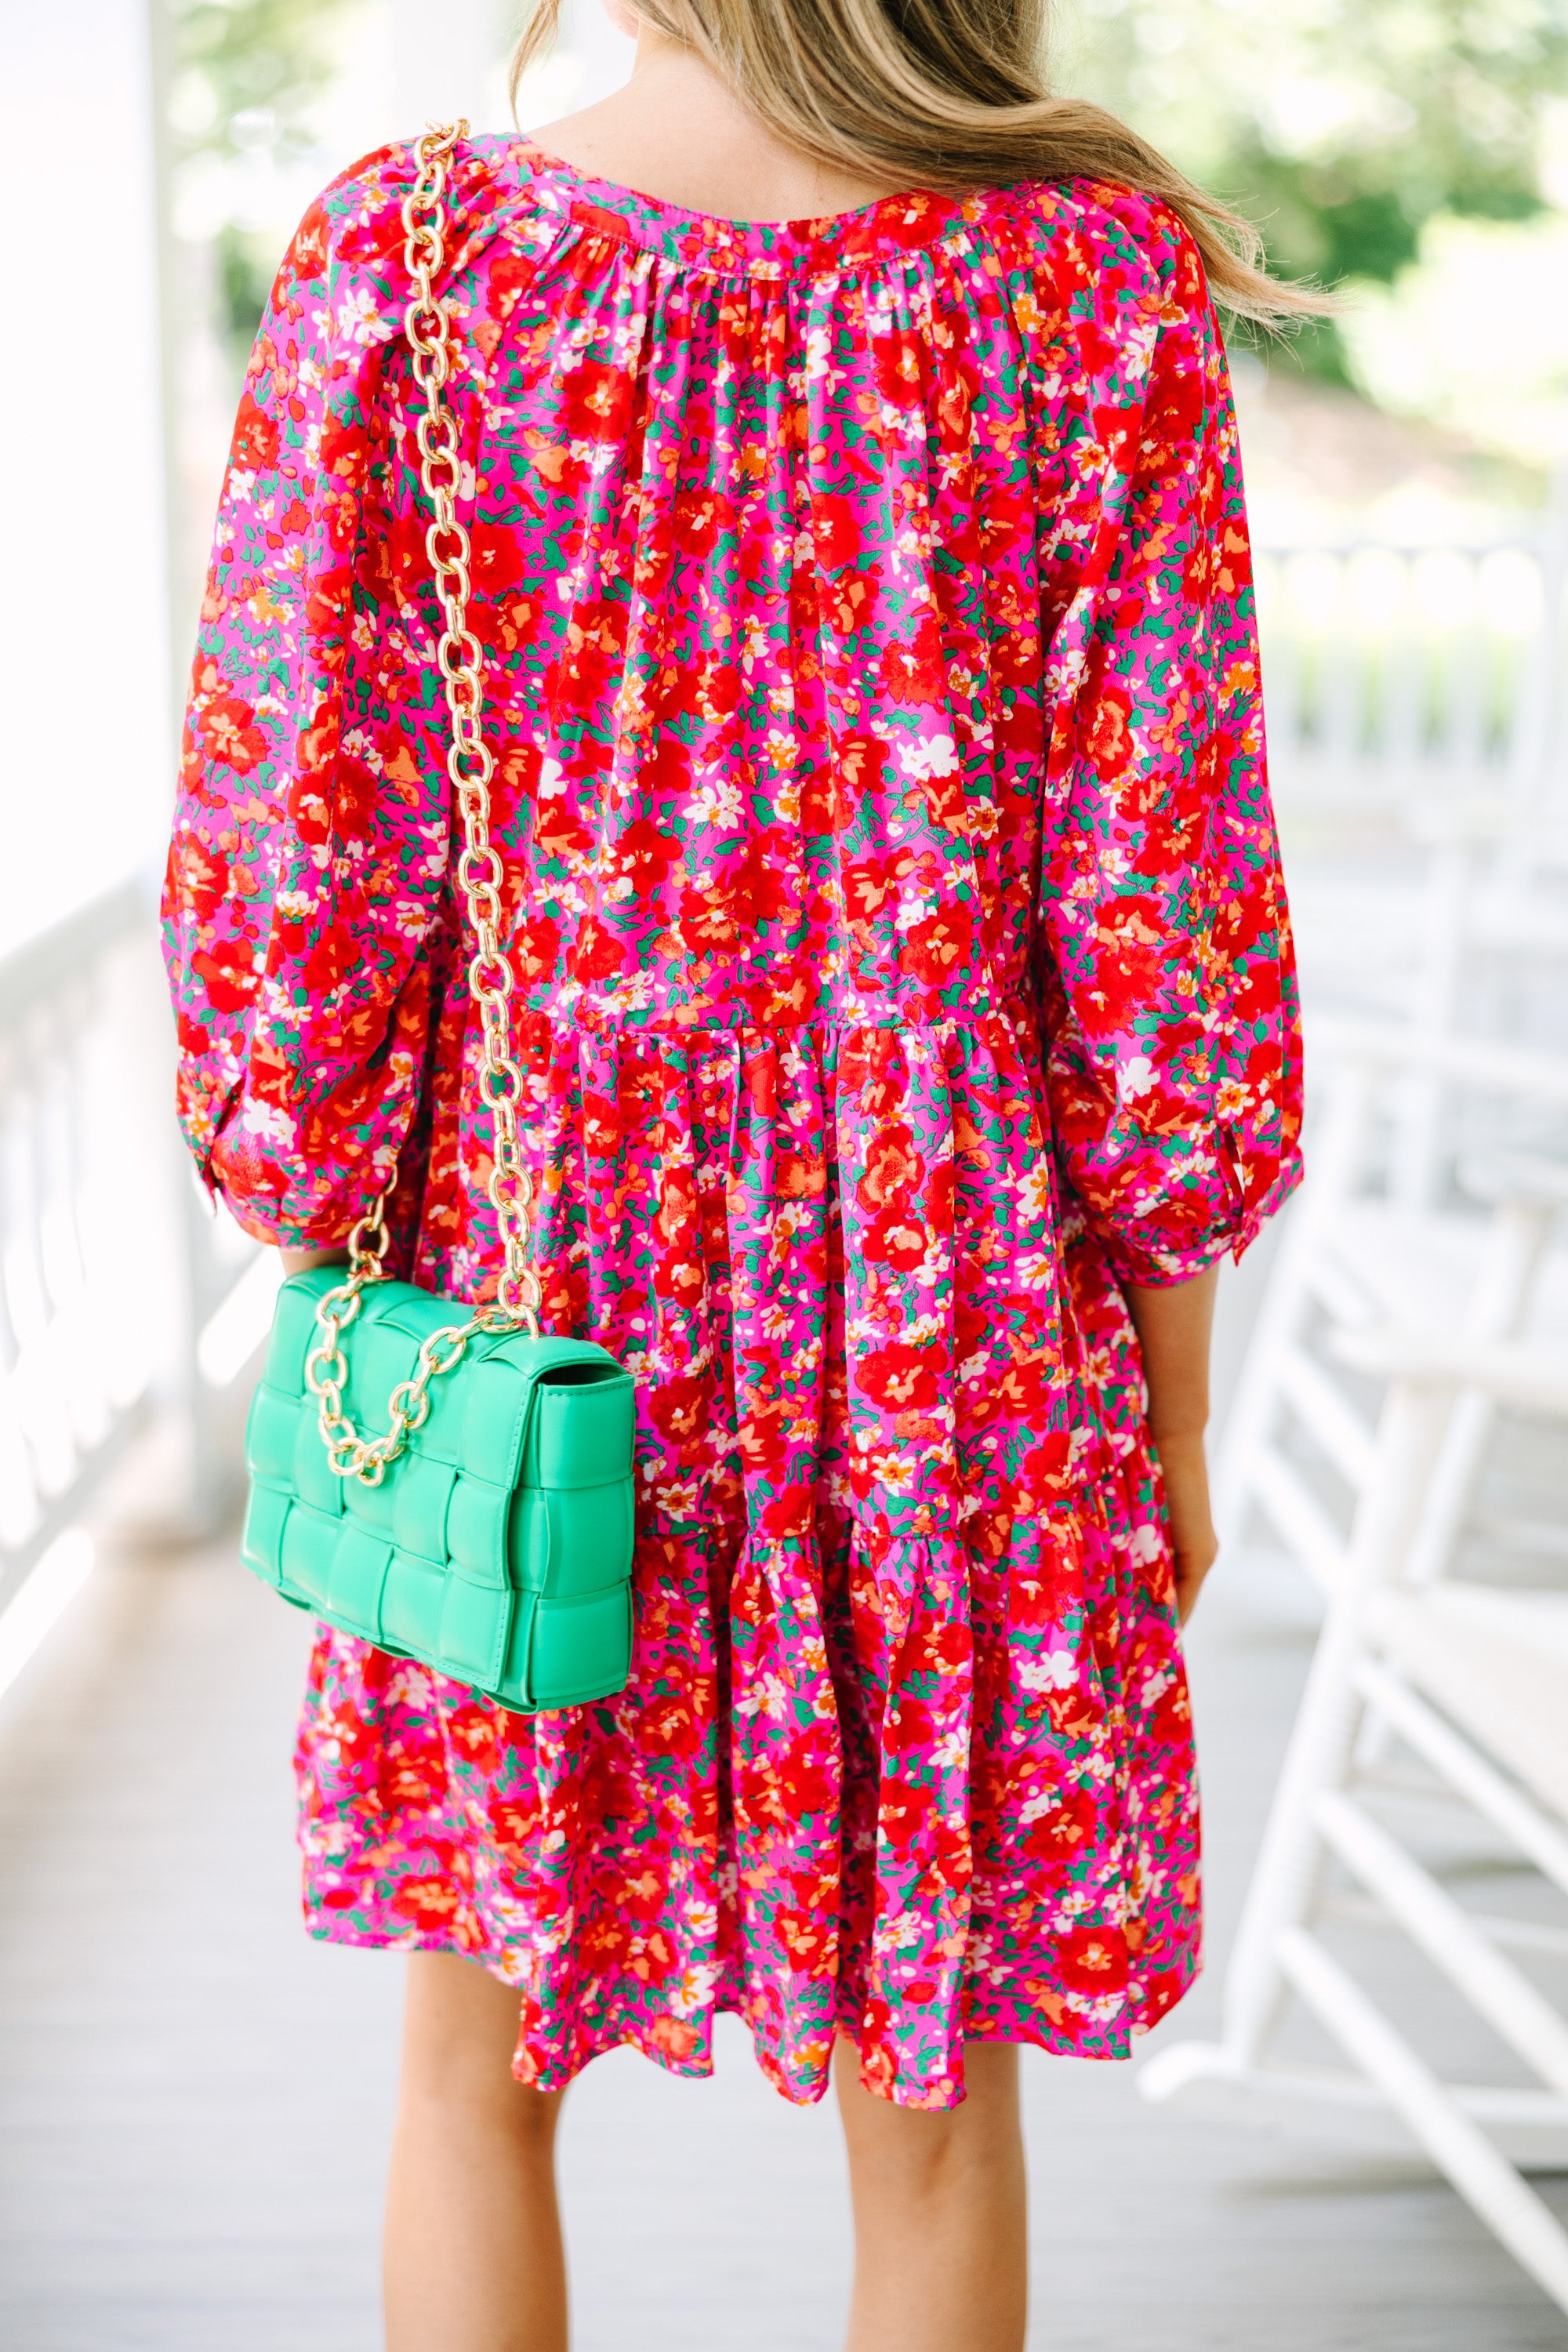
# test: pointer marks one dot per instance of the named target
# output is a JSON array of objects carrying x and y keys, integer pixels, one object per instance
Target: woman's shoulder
[
  {"x": 354, "y": 229},
  {"x": 357, "y": 220},
  {"x": 1124, "y": 244}
]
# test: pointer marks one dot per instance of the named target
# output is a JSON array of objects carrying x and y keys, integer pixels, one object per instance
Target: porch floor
[{"x": 194, "y": 2097}]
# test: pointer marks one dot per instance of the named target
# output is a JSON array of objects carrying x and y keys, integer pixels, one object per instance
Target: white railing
[
  {"x": 1399, "y": 678},
  {"x": 123, "y": 1296},
  {"x": 1393, "y": 669},
  {"x": 72, "y": 1392}
]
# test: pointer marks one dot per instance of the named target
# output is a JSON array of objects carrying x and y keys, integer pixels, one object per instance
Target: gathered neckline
[{"x": 888, "y": 227}]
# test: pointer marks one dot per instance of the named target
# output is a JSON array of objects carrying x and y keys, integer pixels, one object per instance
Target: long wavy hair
[{"x": 947, "y": 94}]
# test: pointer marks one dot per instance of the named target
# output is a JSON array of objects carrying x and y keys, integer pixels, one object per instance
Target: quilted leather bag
[{"x": 486, "y": 1530}]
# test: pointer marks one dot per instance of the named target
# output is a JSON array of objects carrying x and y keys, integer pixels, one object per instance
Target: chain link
[{"x": 460, "y": 657}]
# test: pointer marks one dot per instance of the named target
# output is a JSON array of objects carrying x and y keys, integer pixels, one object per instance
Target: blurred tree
[
  {"x": 1340, "y": 126},
  {"x": 249, "y": 76}
]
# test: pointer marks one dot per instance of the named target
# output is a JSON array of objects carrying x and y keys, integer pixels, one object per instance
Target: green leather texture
[{"x": 497, "y": 1546}]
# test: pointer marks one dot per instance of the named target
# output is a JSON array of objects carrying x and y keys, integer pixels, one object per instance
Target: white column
[{"x": 84, "y": 637}]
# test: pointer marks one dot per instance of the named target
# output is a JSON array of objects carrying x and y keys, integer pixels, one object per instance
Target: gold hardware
[{"x": 470, "y": 764}]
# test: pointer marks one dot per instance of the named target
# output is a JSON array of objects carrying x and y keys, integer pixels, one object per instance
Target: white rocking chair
[
  {"x": 1297, "y": 1451},
  {"x": 1472, "y": 1681}
]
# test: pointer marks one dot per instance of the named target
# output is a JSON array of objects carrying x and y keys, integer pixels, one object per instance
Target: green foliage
[
  {"x": 246, "y": 264},
  {"x": 1340, "y": 126},
  {"x": 248, "y": 75}
]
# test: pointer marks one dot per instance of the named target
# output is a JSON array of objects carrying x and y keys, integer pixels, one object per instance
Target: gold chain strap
[{"x": 470, "y": 765}]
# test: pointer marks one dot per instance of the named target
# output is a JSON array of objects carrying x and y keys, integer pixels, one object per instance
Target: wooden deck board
[{"x": 194, "y": 2097}]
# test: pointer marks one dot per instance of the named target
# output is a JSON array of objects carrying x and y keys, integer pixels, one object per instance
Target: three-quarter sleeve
[
  {"x": 1165, "y": 961},
  {"x": 305, "y": 877}
]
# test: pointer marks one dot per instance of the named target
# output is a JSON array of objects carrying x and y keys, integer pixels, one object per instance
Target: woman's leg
[
  {"x": 473, "y": 2259},
  {"x": 941, "y": 2255}
]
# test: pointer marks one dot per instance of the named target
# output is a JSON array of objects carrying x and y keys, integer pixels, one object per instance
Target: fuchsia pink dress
[{"x": 901, "y": 960}]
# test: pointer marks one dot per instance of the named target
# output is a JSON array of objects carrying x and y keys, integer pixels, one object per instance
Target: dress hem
[{"x": 698, "y": 2066}]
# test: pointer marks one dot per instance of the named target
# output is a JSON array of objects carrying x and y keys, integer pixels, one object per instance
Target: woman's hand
[
  {"x": 1173, "y": 1327},
  {"x": 1194, "y": 1543}
]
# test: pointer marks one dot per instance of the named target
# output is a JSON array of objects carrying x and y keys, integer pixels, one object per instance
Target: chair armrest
[
  {"x": 1526, "y": 1177},
  {"x": 1513, "y": 1374},
  {"x": 1478, "y": 1062}
]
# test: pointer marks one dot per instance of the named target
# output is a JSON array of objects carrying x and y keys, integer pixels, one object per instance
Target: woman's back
[
  {"x": 901, "y": 983},
  {"x": 862, "y": 609},
  {"x": 900, "y": 966}
]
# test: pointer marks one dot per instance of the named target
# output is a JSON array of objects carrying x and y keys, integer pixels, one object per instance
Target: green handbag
[
  {"x": 486, "y": 1531},
  {"x": 498, "y": 1546}
]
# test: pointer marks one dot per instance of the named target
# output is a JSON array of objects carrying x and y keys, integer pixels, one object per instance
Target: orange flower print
[
  {"x": 255, "y": 437},
  {"x": 900, "y": 1376},
  {"x": 427, "y": 1903},
  {"x": 809, "y": 1940},
  {"x": 835, "y": 530},
  {"x": 1093, "y": 1960},
  {"x": 937, "y": 949},
  {"x": 894, "y": 1167},
  {"x": 230, "y": 734},
  {"x": 1107, "y": 730},
  {"x": 906, "y": 1808},
  {"x": 597, "y": 400},
  {"x": 1233, "y": 566},
  {"x": 900, "y": 373}
]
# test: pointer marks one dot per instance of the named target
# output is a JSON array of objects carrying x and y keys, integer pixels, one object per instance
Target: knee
[
  {"x": 459, "y": 2038},
  {"x": 913, "y": 2157},
  {"x": 918, "y": 2156},
  {"x": 471, "y": 2090}
]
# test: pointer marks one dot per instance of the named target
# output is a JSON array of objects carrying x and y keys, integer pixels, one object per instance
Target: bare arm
[
  {"x": 1173, "y": 1327},
  {"x": 300, "y": 1261}
]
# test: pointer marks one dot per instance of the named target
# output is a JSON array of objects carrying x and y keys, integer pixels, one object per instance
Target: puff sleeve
[
  {"x": 1165, "y": 952},
  {"x": 303, "y": 904}
]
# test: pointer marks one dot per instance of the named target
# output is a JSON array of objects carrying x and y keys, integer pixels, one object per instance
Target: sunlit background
[{"x": 1393, "y": 1396}]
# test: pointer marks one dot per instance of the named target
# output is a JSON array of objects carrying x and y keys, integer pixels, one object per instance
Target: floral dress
[{"x": 901, "y": 963}]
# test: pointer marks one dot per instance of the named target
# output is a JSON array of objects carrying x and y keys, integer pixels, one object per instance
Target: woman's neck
[{"x": 677, "y": 132}]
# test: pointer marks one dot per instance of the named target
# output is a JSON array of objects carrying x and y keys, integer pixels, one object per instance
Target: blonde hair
[{"x": 950, "y": 94}]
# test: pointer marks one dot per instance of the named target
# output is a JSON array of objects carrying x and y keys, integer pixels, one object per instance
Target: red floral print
[{"x": 901, "y": 962}]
